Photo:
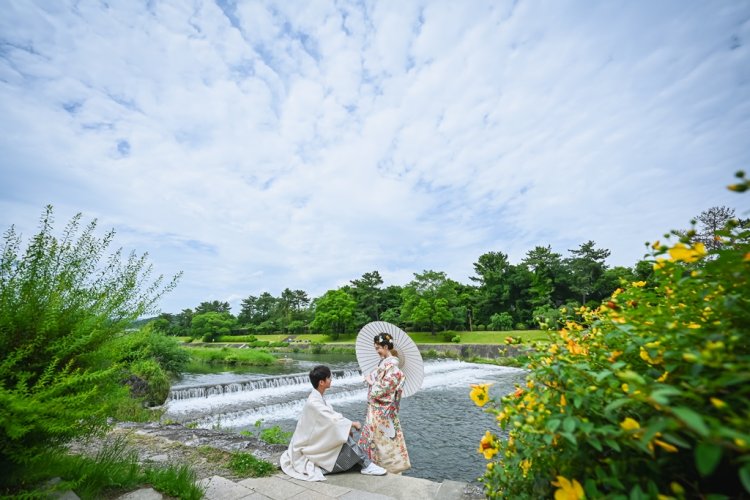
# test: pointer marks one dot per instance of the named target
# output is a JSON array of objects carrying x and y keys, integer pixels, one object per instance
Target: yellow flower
[
  {"x": 639, "y": 284},
  {"x": 747, "y": 257},
  {"x": 479, "y": 394},
  {"x": 625, "y": 388},
  {"x": 687, "y": 254},
  {"x": 718, "y": 403},
  {"x": 488, "y": 446},
  {"x": 668, "y": 447},
  {"x": 656, "y": 245},
  {"x": 663, "y": 377},
  {"x": 630, "y": 424},
  {"x": 525, "y": 466},
  {"x": 563, "y": 401},
  {"x": 568, "y": 490},
  {"x": 693, "y": 325},
  {"x": 660, "y": 263}
]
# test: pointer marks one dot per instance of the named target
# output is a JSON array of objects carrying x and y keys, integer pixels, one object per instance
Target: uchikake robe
[
  {"x": 316, "y": 441},
  {"x": 382, "y": 438}
]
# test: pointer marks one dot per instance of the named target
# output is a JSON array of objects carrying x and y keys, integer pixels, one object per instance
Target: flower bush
[{"x": 647, "y": 396}]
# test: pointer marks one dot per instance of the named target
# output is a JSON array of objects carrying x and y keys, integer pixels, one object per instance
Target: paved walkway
[{"x": 345, "y": 486}]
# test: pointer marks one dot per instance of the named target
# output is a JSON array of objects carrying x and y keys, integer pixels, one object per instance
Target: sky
[{"x": 259, "y": 145}]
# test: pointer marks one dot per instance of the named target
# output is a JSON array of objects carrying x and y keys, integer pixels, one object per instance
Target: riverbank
[
  {"x": 456, "y": 351},
  {"x": 207, "y": 452}
]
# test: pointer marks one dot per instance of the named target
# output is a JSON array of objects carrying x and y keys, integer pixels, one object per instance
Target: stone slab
[
  {"x": 450, "y": 490},
  {"x": 390, "y": 485},
  {"x": 219, "y": 488},
  {"x": 142, "y": 494},
  {"x": 273, "y": 487}
]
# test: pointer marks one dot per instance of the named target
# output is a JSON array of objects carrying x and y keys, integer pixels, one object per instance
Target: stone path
[{"x": 346, "y": 486}]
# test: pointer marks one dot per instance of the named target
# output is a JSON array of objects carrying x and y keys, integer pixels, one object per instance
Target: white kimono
[{"x": 317, "y": 440}]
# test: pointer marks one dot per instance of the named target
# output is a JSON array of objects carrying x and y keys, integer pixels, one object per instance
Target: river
[{"x": 442, "y": 426}]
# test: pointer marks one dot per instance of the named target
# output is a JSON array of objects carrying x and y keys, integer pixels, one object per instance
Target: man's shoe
[{"x": 373, "y": 470}]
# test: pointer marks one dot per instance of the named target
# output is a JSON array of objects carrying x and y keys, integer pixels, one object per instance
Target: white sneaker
[{"x": 373, "y": 470}]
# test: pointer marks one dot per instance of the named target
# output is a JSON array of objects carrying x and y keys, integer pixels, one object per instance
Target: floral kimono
[{"x": 381, "y": 436}]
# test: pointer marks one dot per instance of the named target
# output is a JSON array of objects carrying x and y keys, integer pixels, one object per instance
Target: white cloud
[{"x": 260, "y": 146}]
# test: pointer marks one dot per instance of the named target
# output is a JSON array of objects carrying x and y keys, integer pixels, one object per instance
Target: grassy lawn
[{"x": 526, "y": 336}]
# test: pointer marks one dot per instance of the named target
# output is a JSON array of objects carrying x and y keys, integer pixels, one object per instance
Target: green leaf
[
  {"x": 745, "y": 477},
  {"x": 613, "y": 444},
  {"x": 692, "y": 420},
  {"x": 602, "y": 375},
  {"x": 616, "y": 404},
  {"x": 707, "y": 457},
  {"x": 552, "y": 425},
  {"x": 661, "y": 396},
  {"x": 570, "y": 437},
  {"x": 595, "y": 444},
  {"x": 569, "y": 424}
]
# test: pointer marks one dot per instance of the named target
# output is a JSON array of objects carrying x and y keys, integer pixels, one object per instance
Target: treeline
[{"x": 501, "y": 296}]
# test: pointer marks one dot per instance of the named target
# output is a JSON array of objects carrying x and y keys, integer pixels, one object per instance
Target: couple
[{"x": 323, "y": 443}]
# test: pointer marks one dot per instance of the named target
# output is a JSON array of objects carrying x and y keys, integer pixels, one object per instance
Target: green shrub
[
  {"x": 501, "y": 322},
  {"x": 456, "y": 339},
  {"x": 61, "y": 302},
  {"x": 648, "y": 395},
  {"x": 157, "y": 382},
  {"x": 246, "y": 464}
]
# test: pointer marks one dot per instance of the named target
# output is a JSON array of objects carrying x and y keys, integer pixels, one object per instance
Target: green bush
[
  {"x": 247, "y": 465},
  {"x": 456, "y": 339},
  {"x": 157, "y": 382},
  {"x": 648, "y": 395},
  {"x": 61, "y": 302}
]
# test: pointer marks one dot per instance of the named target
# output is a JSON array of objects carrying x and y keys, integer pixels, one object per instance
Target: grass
[
  {"x": 230, "y": 356},
  {"x": 114, "y": 470},
  {"x": 246, "y": 464}
]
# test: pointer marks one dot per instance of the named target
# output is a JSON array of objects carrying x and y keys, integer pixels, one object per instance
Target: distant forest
[{"x": 501, "y": 296}]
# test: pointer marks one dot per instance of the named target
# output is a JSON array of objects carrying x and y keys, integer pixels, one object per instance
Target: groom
[{"x": 322, "y": 442}]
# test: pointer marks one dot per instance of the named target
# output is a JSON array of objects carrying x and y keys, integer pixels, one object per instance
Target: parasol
[{"x": 408, "y": 354}]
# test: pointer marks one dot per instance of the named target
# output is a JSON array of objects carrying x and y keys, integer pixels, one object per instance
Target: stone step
[{"x": 347, "y": 486}]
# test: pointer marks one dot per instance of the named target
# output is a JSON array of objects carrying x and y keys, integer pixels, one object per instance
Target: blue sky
[{"x": 263, "y": 145}]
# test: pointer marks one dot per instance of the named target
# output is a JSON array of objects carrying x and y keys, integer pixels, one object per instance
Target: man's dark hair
[{"x": 320, "y": 372}]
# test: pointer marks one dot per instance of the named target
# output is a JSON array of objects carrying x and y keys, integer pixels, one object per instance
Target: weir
[{"x": 205, "y": 390}]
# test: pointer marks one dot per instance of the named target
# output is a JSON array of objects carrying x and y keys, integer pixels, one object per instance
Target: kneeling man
[{"x": 322, "y": 442}]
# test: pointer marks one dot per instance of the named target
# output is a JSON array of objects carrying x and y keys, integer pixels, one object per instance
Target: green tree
[
  {"x": 549, "y": 278},
  {"x": 587, "y": 265},
  {"x": 62, "y": 301},
  {"x": 428, "y": 299},
  {"x": 711, "y": 222},
  {"x": 334, "y": 312},
  {"x": 210, "y": 325},
  {"x": 213, "y": 306},
  {"x": 368, "y": 295}
]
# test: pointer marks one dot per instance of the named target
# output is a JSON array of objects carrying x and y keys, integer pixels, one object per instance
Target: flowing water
[{"x": 442, "y": 426}]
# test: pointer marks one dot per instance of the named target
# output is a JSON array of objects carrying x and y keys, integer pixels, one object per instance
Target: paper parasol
[{"x": 408, "y": 354}]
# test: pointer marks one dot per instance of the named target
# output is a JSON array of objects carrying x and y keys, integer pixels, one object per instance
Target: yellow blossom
[
  {"x": 660, "y": 263},
  {"x": 614, "y": 356},
  {"x": 563, "y": 401},
  {"x": 666, "y": 446},
  {"x": 488, "y": 445},
  {"x": 693, "y": 325},
  {"x": 656, "y": 245},
  {"x": 625, "y": 388},
  {"x": 663, "y": 377},
  {"x": 568, "y": 490},
  {"x": 630, "y": 424},
  {"x": 479, "y": 394},
  {"x": 525, "y": 466},
  {"x": 638, "y": 284},
  {"x": 747, "y": 257},
  {"x": 682, "y": 252},
  {"x": 718, "y": 403}
]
